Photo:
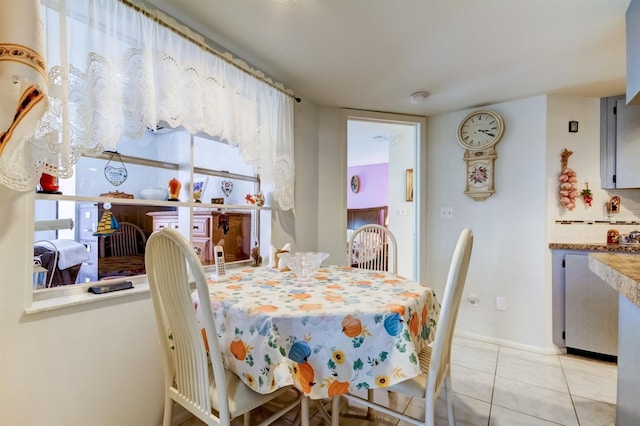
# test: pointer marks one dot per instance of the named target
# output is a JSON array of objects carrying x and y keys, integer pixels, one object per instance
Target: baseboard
[{"x": 555, "y": 350}]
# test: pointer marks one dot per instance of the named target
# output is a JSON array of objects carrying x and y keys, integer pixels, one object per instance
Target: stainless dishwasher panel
[{"x": 591, "y": 309}]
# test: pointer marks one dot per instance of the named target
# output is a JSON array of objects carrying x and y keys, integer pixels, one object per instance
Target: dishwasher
[{"x": 591, "y": 309}]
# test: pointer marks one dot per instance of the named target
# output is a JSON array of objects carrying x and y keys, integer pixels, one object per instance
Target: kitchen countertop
[
  {"x": 615, "y": 248},
  {"x": 620, "y": 271}
]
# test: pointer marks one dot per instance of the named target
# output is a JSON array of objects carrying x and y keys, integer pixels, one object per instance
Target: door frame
[{"x": 419, "y": 199}]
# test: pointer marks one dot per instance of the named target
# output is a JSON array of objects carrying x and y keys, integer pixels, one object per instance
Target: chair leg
[
  {"x": 304, "y": 411},
  {"x": 370, "y": 415},
  {"x": 247, "y": 418},
  {"x": 448, "y": 393},
  {"x": 335, "y": 411},
  {"x": 168, "y": 411}
]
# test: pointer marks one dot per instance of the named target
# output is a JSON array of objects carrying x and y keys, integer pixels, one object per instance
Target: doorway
[{"x": 383, "y": 173}]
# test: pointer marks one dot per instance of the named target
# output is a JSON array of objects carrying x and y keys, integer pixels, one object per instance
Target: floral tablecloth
[{"x": 347, "y": 329}]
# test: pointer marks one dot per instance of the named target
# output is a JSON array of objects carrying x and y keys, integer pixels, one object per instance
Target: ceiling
[{"x": 372, "y": 54}]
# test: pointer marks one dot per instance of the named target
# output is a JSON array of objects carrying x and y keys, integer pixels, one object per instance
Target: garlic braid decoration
[{"x": 568, "y": 180}]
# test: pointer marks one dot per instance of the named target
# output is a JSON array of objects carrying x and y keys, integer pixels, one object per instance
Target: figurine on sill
[
  {"x": 255, "y": 255},
  {"x": 49, "y": 184},
  {"x": 174, "y": 189}
]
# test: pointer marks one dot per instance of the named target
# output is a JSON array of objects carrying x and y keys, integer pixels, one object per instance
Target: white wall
[
  {"x": 509, "y": 254},
  {"x": 99, "y": 364},
  {"x": 402, "y": 221}
]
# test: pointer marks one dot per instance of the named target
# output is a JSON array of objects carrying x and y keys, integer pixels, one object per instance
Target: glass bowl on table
[{"x": 303, "y": 264}]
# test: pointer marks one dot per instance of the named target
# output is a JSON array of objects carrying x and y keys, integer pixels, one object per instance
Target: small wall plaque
[{"x": 573, "y": 127}]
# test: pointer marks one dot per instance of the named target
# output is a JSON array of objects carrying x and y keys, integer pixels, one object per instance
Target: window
[
  {"x": 131, "y": 95},
  {"x": 217, "y": 215}
]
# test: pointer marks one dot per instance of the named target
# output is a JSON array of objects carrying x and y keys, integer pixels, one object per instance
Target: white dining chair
[
  {"x": 435, "y": 360},
  {"x": 193, "y": 379},
  {"x": 373, "y": 247}
]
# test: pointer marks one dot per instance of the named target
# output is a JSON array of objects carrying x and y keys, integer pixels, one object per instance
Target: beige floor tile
[
  {"x": 478, "y": 358},
  {"x": 467, "y": 411},
  {"x": 472, "y": 383},
  {"x": 525, "y": 369},
  {"x": 588, "y": 366},
  {"x": 501, "y": 416},
  {"x": 535, "y": 401},
  {"x": 594, "y": 413},
  {"x": 595, "y": 387}
]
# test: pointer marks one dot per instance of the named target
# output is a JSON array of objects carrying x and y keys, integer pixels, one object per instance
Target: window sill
[
  {"x": 68, "y": 296},
  {"x": 80, "y": 295}
]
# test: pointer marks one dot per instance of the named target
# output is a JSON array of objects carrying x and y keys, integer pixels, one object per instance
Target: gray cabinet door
[
  {"x": 591, "y": 309},
  {"x": 627, "y": 145}
]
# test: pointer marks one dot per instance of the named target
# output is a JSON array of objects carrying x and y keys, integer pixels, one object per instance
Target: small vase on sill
[
  {"x": 49, "y": 184},
  {"x": 174, "y": 189}
]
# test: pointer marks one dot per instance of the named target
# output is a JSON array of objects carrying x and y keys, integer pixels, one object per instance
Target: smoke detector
[{"x": 419, "y": 97}]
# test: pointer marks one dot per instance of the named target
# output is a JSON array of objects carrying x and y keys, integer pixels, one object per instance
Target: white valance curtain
[{"x": 120, "y": 69}]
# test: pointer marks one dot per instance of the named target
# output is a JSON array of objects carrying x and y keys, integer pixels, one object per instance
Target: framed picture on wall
[{"x": 409, "y": 185}]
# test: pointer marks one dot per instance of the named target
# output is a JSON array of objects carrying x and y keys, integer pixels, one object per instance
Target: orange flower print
[
  {"x": 410, "y": 294},
  {"x": 338, "y": 388},
  {"x": 413, "y": 324},
  {"x": 304, "y": 375},
  {"x": 238, "y": 349},
  {"x": 333, "y": 298},
  {"x": 266, "y": 308},
  {"x": 394, "y": 307},
  {"x": 204, "y": 337},
  {"x": 301, "y": 296},
  {"x": 351, "y": 326},
  {"x": 425, "y": 313},
  {"x": 310, "y": 307}
]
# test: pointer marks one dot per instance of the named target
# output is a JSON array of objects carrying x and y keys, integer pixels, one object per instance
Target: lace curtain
[{"x": 120, "y": 69}]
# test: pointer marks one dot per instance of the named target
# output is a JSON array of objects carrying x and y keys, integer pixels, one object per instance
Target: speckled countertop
[
  {"x": 620, "y": 271},
  {"x": 616, "y": 248}
]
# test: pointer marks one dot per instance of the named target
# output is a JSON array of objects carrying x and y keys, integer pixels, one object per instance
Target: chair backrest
[
  {"x": 170, "y": 261},
  {"x": 128, "y": 241},
  {"x": 373, "y": 247},
  {"x": 441, "y": 350}
]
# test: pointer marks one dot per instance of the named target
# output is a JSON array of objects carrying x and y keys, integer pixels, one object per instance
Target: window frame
[{"x": 72, "y": 294}]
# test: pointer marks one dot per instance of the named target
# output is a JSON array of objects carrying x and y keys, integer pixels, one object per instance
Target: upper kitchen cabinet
[
  {"x": 633, "y": 53},
  {"x": 619, "y": 143}
]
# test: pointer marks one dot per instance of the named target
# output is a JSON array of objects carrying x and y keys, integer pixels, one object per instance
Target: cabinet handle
[
  {"x": 198, "y": 250},
  {"x": 160, "y": 226}
]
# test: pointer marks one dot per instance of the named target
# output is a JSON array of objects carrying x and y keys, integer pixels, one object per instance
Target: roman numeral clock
[{"x": 478, "y": 133}]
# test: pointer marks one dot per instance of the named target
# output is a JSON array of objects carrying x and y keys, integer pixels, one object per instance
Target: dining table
[{"x": 341, "y": 330}]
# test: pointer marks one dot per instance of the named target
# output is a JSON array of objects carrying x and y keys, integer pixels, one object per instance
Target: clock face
[{"x": 480, "y": 130}]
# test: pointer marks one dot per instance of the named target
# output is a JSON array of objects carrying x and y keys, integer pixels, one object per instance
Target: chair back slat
[
  {"x": 128, "y": 241},
  {"x": 441, "y": 352},
  {"x": 171, "y": 262},
  {"x": 373, "y": 247}
]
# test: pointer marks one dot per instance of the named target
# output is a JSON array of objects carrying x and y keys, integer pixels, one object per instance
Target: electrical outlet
[
  {"x": 446, "y": 213},
  {"x": 501, "y": 303}
]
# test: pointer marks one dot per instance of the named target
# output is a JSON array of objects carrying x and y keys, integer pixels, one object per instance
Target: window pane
[{"x": 147, "y": 163}]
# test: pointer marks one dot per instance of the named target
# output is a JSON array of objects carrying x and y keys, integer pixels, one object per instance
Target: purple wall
[{"x": 374, "y": 186}]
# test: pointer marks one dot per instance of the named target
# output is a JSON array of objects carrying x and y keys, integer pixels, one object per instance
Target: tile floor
[{"x": 497, "y": 385}]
